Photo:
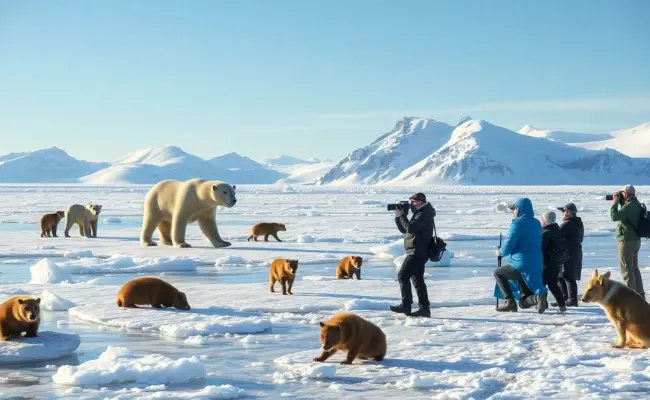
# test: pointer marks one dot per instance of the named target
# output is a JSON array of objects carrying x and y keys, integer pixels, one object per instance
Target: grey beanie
[{"x": 549, "y": 217}]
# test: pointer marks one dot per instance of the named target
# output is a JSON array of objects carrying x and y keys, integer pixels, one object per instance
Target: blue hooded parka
[{"x": 523, "y": 246}]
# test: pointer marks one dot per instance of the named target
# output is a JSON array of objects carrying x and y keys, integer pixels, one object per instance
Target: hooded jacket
[
  {"x": 417, "y": 231},
  {"x": 523, "y": 245}
]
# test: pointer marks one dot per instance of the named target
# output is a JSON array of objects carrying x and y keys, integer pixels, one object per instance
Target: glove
[{"x": 398, "y": 213}]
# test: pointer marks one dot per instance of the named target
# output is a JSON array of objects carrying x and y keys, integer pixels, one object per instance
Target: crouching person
[{"x": 523, "y": 245}]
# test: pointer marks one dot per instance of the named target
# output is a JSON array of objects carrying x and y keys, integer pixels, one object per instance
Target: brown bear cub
[
  {"x": 267, "y": 229},
  {"x": 151, "y": 290},
  {"x": 19, "y": 314},
  {"x": 348, "y": 331},
  {"x": 625, "y": 308},
  {"x": 348, "y": 267},
  {"x": 283, "y": 271},
  {"x": 49, "y": 223}
]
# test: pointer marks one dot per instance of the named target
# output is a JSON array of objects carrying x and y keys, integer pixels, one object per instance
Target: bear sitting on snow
[{"x": 170, "y": 205}]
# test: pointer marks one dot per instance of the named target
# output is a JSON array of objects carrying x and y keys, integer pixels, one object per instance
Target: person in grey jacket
[{"x": 418, "y": 232}]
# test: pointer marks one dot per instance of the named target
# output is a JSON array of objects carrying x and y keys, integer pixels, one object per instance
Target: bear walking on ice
[
  {"x": 84, "y": 216},
  {"x": 170, "y": 205}
]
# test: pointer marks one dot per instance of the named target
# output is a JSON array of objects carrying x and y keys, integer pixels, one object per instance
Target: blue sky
[{"x": 310, "y": 78}]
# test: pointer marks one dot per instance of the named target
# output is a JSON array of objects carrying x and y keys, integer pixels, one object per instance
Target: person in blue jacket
[{"x": 523, "y": 245}]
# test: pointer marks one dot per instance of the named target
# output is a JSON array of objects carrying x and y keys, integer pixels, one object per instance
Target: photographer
[
  {"x": 629, "y": 241},
  {"x": 417, "y": 235},
  {"x": 574, "y": 231}
]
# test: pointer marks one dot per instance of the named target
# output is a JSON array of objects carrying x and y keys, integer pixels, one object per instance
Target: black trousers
[
  {"x": 569, "y": 288},
  {"x": 507, "y": 273},
  {"x": 551, "y": 281},
  {"x": 413, "y": 270}
]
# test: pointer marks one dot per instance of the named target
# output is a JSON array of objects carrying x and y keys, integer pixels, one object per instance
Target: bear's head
[
  {"x": 180, "y": 301},
  {"x": 330, "y": 335},
  {"x": 357, "y": 261},
  {"x": 29, "y": 309},
  {"x": 281, "y": 227},
  {"x": 223, "y": 194},
  {"x": 60, "y": 215},
  {"x": 94, "y": 208},
  {"x": 291, "y": 266}
]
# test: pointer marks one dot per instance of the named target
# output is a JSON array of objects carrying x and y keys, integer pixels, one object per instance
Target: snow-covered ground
[{"x": 240, "y": 340}]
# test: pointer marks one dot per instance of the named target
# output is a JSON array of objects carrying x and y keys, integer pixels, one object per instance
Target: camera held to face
[
  {"x": 402, "y": 205},
  {"x": 621, "y": 199}
]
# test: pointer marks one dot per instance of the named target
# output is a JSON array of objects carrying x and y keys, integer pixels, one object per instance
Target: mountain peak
[{"x": 464, "y": 119}]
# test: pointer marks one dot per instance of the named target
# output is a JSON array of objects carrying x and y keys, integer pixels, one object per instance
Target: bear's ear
[
  {"x": 38, "y": 300},
  {"x": 21, "y": 301},
  {"x": 234, "y": 187},
  {"x": 322, "y": 324},
  {"x": 214, "y": 188}
]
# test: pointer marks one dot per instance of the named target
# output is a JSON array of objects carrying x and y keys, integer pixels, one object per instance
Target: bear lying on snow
[
  {"x": 151, "y": 290},
  {"x": 170, "y": 205},
  {"x": 19, "y": 314}
]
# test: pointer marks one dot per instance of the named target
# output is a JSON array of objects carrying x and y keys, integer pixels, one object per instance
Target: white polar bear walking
[
  {"x": 170, "y": 205},
  {"x": 84, "y": 216}
]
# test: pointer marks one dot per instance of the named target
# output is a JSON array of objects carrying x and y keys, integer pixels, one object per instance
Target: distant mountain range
[{"x": 416, "y": 151}]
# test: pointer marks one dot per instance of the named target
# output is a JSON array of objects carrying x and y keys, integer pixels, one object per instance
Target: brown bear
[
  {"x": 348, "y": 267},
  {"x": 284, "y": 271},
  {"x": 151, "y": 290},
  {"x": 49, "y": 223},
  {"x": 267, "y": 229},
  {"x": 19, "y": 314},
  {"x": 348, "y": 331}
]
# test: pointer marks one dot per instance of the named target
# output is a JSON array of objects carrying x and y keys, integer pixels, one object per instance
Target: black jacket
[
  {"x": 574, "y": 232},
  {"x": 550, "y": 231},
  {"x": 417, "y": 231}
]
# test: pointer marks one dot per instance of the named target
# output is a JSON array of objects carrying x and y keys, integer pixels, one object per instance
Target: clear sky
[{"x": 310, "y": 78}]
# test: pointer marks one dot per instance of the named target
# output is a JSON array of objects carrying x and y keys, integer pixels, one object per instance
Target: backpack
[
  {"x": 558, "y": 252},
  {"x": 643, "y": 226},
  {"x": 437, "y": 246}
]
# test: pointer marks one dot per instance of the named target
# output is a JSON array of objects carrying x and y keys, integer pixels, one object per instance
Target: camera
[
  {"x": 621, "y": 200},
  {"x": 402, "y": 205}
]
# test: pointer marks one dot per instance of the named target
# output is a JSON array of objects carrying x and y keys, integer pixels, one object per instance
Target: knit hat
[
  {"x": 549, "y": 217},
  {"x": 629, "y": 189},
  {"x": 420, "y": 197}
]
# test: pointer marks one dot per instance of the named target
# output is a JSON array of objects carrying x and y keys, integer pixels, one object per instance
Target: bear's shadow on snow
[
  {"x": 212, "y": 311},
  {"x": 120, "y": 238},
  {"x": 436, "y": 366}
]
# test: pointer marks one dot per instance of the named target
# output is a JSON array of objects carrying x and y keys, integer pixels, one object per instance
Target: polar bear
[
  {"x": 85, "y": 217},
  {"x": 170, "y": 205}
]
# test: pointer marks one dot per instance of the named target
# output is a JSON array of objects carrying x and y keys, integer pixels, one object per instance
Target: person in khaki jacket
[{"x": 629, "y": 241}]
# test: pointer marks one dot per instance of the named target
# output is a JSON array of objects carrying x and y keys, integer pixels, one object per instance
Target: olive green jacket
[{"x": 628, "y": 219}]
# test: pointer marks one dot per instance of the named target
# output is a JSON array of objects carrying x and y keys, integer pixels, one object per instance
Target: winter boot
[
  {"x": 508, "y": 305},
  {"x": 562, "y": 309},
  {"x": 422, "y": 312},
  {"x": 527, "y": 301},
  {"x": 401, "y": 309},
  {"x": 542, "y": 303}
]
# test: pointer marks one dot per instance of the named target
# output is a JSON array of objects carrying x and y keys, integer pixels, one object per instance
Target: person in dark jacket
[
  {"x": 418, "y": 232},
  {"x": 573, "y": 231},
  {"x": 551, "y": 234}
]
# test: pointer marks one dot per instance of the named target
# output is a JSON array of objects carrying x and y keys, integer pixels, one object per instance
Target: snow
[
  {"x": 302, "y": 174},
  {"x": 46, "y": 346},
  {"x": 248, "y": 338},
  {"x": 52, "y": 302},
  {"x": 563, "y": 136},
  {"x": 47, "y": 165},
  {"x": 117, "y": 365},
  {"x": 633, "y": 142},
  {"x": 45, "y": 271}
]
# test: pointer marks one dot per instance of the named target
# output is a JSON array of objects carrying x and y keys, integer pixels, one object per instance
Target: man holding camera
[
  {"x": 418, "y": 232},
  {"x": 629, "y": 241}
]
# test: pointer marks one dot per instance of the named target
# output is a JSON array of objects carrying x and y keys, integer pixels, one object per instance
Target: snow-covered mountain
[
  {"x": 411, "y": 140},
  {"x": 154, "y": 164},
  {"x": 246, "y": 169},
  {"x": 563, "y": 136},
  {"x": 634, "y": 142},
  {"x": 305, "y": 174},
  {"x": 51, "y": 165},
  {"x": 284, "y": 160},
  {"x": 481, "y": 153}
]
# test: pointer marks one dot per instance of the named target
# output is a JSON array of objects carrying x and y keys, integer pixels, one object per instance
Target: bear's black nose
[{"x": 233, "y": 202}]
